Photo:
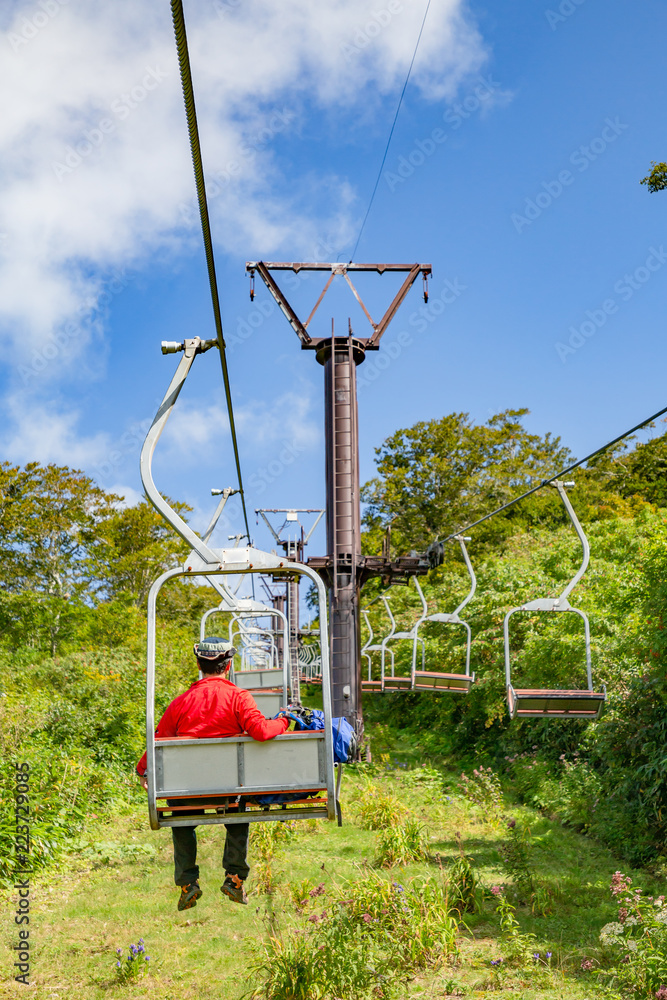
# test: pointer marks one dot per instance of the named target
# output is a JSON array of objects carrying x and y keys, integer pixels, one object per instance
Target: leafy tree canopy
[
  {"x": 441, "y": 474},
  {"x": 656, "y": 180}
]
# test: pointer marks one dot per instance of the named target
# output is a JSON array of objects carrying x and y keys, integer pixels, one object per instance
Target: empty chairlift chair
[
  {"x": 394, "y": 681},
  {"x": 430, "y": 680},
  {"x": 556, "y": 703},
  {"x": 267, "y": 683},
  {"x": 375, "y": 686}
]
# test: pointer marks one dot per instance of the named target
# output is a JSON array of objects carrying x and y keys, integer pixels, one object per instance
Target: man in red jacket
[{"x": 213, "y": 706}]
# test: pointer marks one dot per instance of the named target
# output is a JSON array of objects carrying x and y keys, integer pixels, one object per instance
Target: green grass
[{"x": 106, "y": 896}]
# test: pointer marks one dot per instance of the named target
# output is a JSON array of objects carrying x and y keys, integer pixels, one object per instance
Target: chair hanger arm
[
  {"x": 190, "y": 348},
  {"x": 473, "y": 579},
  {"x": 560, "y": 486}
]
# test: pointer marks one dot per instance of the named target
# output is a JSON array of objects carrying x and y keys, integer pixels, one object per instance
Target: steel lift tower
[{"x": 344, "y": 569}]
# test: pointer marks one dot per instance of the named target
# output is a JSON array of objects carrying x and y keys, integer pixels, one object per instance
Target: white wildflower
[{"x": 611, "y": 933}]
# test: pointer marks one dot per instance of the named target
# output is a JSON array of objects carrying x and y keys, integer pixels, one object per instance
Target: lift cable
[
  {"x": 559, "y": 475},
  {"x": 393, "y": 126},
  {"x": 193, "y": 130}
]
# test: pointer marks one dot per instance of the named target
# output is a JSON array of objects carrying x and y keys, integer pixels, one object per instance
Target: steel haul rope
[
  {"x": 558, "y": 475},
  {"x": 193, "y": 130}
]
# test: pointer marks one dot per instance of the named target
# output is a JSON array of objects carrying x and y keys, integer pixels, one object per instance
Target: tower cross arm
[{"x": 264, "y": 269}]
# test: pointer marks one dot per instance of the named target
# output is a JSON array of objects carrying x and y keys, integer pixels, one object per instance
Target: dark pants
[{"x": 186, "y": 869}]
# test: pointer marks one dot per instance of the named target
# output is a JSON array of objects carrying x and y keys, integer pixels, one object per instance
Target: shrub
[
  {"x": 516, "y": 859},
  {"x": 378, "y": 809},
  {"x": 371, "y": 934},
  {"x": 483, "y": 788},
  {"x": 636, "y": 942},
  {"x": 465, "y": 888},
  {"x": 401, "y": 845}
]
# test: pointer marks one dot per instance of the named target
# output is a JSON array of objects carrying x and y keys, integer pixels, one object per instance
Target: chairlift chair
[
  {"x": 267, "y": 683},
  {"x": 369, "y": 685},
  {"x": 269, "y": 686},
  {"x": 429, "y": 680},
  {"x": 394, "y": 681},
  {"x": 556, "y": 703},
  {"x": 217, "y": 772}
]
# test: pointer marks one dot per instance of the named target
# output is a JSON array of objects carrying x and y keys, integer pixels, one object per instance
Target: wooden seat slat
[
  {"x": 194, "y": 809},
  {"x": 557, "y": 693}
]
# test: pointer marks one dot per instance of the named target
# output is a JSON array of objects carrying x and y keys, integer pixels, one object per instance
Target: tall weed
[
  {"x": 402, "y": 845},
  {"x": 365, "y": 942},
  {"x": 378, "y": 809}
]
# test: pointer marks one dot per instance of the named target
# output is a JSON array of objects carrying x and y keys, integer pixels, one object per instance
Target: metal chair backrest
[
  {"x": 393, "y": 681},
  {"x": 556, "y": 702},
  {"x": 428, "y": 680}
]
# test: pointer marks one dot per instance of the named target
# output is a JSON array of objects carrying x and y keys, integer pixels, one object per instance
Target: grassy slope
[{"x": 117, "y": 895}]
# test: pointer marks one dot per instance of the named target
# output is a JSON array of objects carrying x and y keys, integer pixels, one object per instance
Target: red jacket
[{"x": 214, "y": 706}]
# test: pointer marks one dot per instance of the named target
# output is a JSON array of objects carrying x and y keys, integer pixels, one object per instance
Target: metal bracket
[{"x": 264, "y": 268}]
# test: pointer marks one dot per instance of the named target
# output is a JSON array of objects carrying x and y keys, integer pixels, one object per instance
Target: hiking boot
[
  {"x": 233, "y": 887},
  {"x": 189, "y": 896}
]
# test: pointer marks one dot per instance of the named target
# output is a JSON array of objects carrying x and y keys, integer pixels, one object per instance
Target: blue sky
[{"x": 514, "y": 170}]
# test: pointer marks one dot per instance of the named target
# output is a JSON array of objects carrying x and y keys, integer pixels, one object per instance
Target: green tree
[
  {"x": 656, "y": 180},
  {"x": 441, "y": 474},
  {"x": 136, "y": 546},
  {"x": 50, "y": 518}
]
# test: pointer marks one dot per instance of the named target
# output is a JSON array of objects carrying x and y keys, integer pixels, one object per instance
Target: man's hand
[
  {"x": 143, "y": 781},
  {"x": 292, "y": 723}
]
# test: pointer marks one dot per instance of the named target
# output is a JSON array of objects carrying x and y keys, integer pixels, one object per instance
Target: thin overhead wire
[
  {"x": 391, "y": 133},
  {"x": 193, "y": 130},
  {"x": 558, "y": 475}
]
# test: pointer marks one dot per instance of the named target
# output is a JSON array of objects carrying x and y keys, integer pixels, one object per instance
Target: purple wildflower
[{"x": 587, "y": 965}]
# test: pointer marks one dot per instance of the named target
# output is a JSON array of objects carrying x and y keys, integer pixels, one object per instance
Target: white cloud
[
  {"x": 193, "y": 431},
  {"x": 46, "y": 434},
  {"x": 96, "y": 167},
  {"x": 130, "y": 496},
  {"x": 96, "y": 176}
]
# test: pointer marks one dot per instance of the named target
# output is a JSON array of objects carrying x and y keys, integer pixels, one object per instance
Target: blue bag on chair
[{"x": 344, "y": 740}]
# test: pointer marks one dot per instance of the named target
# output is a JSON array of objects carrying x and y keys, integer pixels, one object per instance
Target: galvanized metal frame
[
  {"x": 413, "y": 635},
  {"x": 467, "y": 679},
  {"x": 232, "y": 562},
  {"x": 212, "y": 564},
  {"x": 559, "y": 603},
  {"x": 369, "y": 648}
]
